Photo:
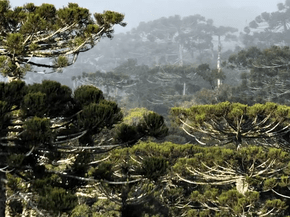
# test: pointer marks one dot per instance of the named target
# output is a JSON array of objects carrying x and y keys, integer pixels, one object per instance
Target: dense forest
[{"x": 177, "y": 117}]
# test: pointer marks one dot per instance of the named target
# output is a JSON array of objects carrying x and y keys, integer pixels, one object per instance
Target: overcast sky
[{"x": 235, "y": 13}]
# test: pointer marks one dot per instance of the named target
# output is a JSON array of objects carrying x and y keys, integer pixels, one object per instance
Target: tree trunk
[
  {"x": 184, "y": 87},
  {"x": 285, "y": 25},
  {"x": 180, "y": 55},
  {"x": 219, "y": 82},
  {"x": 156, "y": 61},
  {"x": 2, "y": 193}
]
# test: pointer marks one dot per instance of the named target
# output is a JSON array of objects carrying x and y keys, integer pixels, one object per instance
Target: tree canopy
[
  {"x": 50, "y": 137},
  {"x": 76, "y": 153},
  {"x": 29, "y": 33},
  {"x": 265, "y": 76},
  {"x": 269, "y": 29},
  {"x": 236, "y": 123}
]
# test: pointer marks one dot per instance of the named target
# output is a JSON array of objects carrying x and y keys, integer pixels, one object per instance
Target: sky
[{"x": 235, "y": 13}]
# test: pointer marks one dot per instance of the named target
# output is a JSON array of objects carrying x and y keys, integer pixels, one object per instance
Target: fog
[
  {"x": 154, "y": 43},
  {"x": 235, "y": 13},
  {"x": 183, "y": 112}
]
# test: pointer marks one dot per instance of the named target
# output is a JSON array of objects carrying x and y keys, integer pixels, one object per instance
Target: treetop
[
  {"x": 235, "y": 111},
  {"x": 28, "y": 32}
]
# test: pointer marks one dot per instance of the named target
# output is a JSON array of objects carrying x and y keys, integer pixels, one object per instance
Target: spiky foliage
[
  {"x": 58, "y": 149},
  {"x": 264, "y": 124},
  {"x": 150, "y": 124},
  {"x": 42, "y": 128},
  {"x": 130, "y": 179},
  {"x": 28, "y": 32},
  {"x": 269, "y": 28},
  {"x": 266, "y": 76},
  {"x": 231, "y": 183}
]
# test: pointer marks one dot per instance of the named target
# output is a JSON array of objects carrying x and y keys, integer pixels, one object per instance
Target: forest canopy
[{"x": 178, "y": 117}]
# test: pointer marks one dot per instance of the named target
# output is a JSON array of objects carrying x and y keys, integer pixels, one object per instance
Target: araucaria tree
[
  {"x": 269, "y": 28},
  {"x": 250, "y": 180},
  {"x": 223, "y": 123},
  {"x": 267, "y": 78},
  {"x": 31, "y": 32},
  {"x": 43, "y": 125},
  {"x": 38, "y": 121},
  {"x": 51, "y": 140}
]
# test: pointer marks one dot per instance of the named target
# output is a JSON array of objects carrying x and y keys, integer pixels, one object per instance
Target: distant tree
[
  {"x": 219, "y": 32},
  {"x": 131, "y": 68},
  {"x": 269, "y": 28},
  {"x": 180, "y": 77},
  {"x": 30, "y": 33},
  {"x": 174, "y": 84},
  {"x": 128, "y": 80},
  {"x": 167, "y": 40},
  {"x": 110, "y": 82},
  {"x": 265, "y": 76},
  {"x": 198, "y": 39}
]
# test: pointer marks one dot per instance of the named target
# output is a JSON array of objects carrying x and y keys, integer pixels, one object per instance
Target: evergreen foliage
[
  {"x": 42, "y": 133},
  {"x": 29, "y": 31},
  {"x": 74, "y": 153},
  {"x": 265, "y": 78},
  {"x": 269, "y": 29},
  {"x": 54, "y": 149},
  {"x": 235, "y": 123},
  {"x": 217, "y": 170}
]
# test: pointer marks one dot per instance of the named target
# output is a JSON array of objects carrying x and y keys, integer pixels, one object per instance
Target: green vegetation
[
  {"x": 28, "y": 32},
  {"x": 237, "y": 123},
  {"x": 64, "y": 152}
]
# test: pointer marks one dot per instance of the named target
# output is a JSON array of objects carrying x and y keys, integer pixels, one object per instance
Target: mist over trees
[{"x": 176, "y": 117}]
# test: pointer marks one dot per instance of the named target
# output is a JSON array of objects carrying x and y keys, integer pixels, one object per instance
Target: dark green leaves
[
  {"x": 154, "y": 167},
  {"x": 74, "y": 14},
  {"x": 96, "y": 116},
  {"x": 47, "y": 99},
  {"x": 35, "y": 104},
  {"x": 46, "y": 11},
  {"x": 149, "y": 124},
  {"x": 113, "y": 17},
  {"x": 153, "y": 125},
  {"x": 103, "y": 171},
  {"x": 57, "y": 200},
  {"x": 37, "y": 131},
  {"x": 48, "y": 33},
  {"x": 126, "y": 133},
  {"x": 14, "y": 43},
  {"x": 4, "y": 117},
  {"x": 12, "y": 92},
  {"x": 85, "y": 95}
]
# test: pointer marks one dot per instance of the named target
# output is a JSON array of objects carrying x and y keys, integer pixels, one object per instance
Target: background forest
[
  {"x": 171, "y": 60},
  {"x": 177, "y": 117}
]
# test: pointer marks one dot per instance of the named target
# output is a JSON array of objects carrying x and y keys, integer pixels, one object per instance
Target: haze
[{"x": 235, "y": 13}]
